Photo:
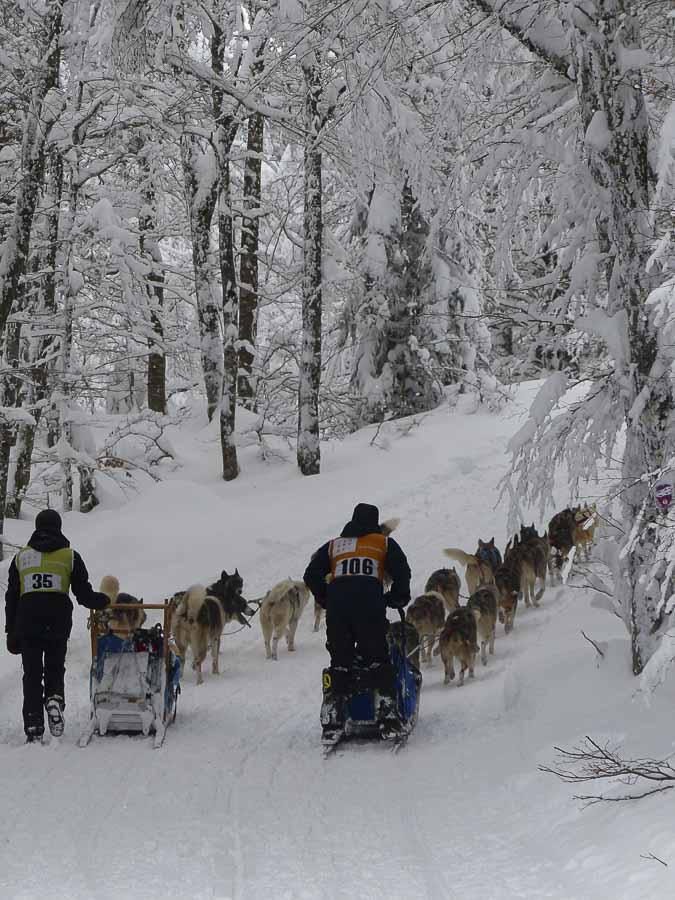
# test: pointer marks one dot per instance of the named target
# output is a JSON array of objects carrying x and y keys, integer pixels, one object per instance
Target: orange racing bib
[{"x": 358, "y": 556}]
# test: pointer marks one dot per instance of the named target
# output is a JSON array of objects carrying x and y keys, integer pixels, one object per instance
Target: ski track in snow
[{"x": 240, "y": 805}]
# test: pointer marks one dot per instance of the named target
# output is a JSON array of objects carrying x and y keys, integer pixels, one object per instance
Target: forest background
[{"x": 316, "y": 216}]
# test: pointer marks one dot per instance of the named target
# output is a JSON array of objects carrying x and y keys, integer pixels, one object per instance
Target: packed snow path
[{"x": 239, "y": 802}]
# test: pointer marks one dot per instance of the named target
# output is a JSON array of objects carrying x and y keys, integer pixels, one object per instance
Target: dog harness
[
  {"x": 48, "y": 573},
  {"x": 489, "y": 555},
  {"x": 358, "y": 556}
]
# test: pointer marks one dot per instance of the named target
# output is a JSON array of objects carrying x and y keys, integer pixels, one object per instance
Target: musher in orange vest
[{"x": 355, "y": 603}]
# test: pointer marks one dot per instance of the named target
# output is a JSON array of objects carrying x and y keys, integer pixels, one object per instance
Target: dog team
[{"x": 444, "y": 626}]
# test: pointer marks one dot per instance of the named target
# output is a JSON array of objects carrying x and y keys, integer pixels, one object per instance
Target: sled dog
[
  {"x": 561, "y": 530},
  {"x": 458, "y": 639},
  {"x": 485, "y": 601},
  {"x": 585, "y": 522},
  {"x": 488, "y": 552},
  {"x": 477, "y": 570},
  {"x": 228, "y": 590},
  {"x": 198, "y": 623},
  {"x": 507, "y": 582},
  {"x": 280, "y": 613},
  {"x": 121, "y": 621},
  {"x": 318, "y": 613},
  {"x": 534, "y": 552},
  {"x": 201, "y": 613},
  {"x": 427, "y": 614},
  {"x": 445, "y": 582}
]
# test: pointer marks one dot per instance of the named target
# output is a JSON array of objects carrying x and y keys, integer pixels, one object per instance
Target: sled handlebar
[{"x": 135, "y": 606}]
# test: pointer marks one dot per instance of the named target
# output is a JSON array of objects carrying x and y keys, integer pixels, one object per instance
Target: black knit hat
[
  {"x": 48, "y": 520},
  {"x": 366, "y": 516}
]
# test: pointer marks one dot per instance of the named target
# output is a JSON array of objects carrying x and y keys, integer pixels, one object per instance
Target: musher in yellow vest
[
  {"x": 39, "y": 617},
  {"x": 346, "y": 577}
]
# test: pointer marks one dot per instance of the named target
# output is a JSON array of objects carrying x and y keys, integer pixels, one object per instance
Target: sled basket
[{"x": 134, "y": 680}]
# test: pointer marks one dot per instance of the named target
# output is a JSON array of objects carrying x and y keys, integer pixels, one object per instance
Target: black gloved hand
[
  {"x": 394, "y": 602},
  {"x": 14, "y": 644}
]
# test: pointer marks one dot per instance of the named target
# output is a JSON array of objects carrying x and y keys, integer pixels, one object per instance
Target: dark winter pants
[
  {"x": 44, "y": 662},
  {"x": 353, "y": 625}
]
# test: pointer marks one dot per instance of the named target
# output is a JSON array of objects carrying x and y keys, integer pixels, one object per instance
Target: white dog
[{"x": 280, "y": 613}]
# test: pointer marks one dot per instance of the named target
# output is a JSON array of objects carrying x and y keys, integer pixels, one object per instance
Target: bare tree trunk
[
  {"x": 309, "y": 452},
  {"x": 41, "y": 348},
  {"x": 65, "y": 434},
  {"x": 226, "y": 130},
  {"x": 202, "y": 193},
  {"x": 88, "y": 497},
  {"x": 230, "y": 327},
  {"x": 248, "y": 267},
  {"x": 14, "y": 258},
  {"x": 150, "y": 248},
  {"x": 70, "y": 289},
  {"x": 16, "y": 248},
  {"x": 157, "y": 359}
]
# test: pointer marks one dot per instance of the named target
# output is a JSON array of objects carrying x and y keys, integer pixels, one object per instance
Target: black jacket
[
  {"x": 395, "y": 565},
  {"x": 50, "y": 615}
]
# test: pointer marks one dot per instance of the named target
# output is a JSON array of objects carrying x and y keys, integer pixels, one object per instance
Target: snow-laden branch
[{"x": 544, "y": 36}]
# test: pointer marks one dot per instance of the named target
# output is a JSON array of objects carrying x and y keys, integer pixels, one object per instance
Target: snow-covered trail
[{"x": 240, "y": 804}]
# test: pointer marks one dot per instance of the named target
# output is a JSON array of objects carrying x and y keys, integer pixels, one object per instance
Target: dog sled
[
  {"x": 134, "y": 680},
  {"x": 361, "y": 720}
]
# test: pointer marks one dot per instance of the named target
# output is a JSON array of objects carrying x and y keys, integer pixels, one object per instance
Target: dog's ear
[
  {"x": 224, "y": 575},
  {"x": 236, "y": 572},
  {"x": 492, "y": 542}
]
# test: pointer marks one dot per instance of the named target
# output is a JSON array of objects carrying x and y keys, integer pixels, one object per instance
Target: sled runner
[
  {"x": 135, "y": 677},
  {"x": 361, "y": 719}
]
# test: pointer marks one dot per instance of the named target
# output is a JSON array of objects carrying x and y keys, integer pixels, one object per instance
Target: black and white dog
[{"x": 201, "y": 613}]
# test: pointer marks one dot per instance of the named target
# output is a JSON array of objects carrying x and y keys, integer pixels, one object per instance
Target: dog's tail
[
  {"x": 389, "y": 525},
  {"x": 110, "y": 585},
  {"x": 466, "y": 559}
]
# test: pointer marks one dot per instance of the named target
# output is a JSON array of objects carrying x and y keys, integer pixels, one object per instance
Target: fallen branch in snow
[
  {"x": 651, "y": 856},
  {"x": 591, "y": 641},
  {"x": 373, "y": 440},
  {"x": 592, "y": 762}
]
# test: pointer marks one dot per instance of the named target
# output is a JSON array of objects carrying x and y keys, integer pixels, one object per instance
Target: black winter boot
[
  {"x": 34, "y": 734},
  {"x": 54, "y": 706},
  {"x": 388, "y": 718},
  {"x": 334, "y": 704}
]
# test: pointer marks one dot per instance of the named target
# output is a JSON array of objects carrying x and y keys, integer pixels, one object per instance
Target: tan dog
[
  {"x": 121, "y": 622},
  {"x": 478, "y": 571},
  {"x": 585, "y": 523},
  {"x": 427, "y": 614},
  {"x": 458, "y": 640},
  {"x": 280, "y": 613},
  {"x": 198, "y": 624},
  {"x": 445, "y": 582},
  {"x": 485, "y": 600}
]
